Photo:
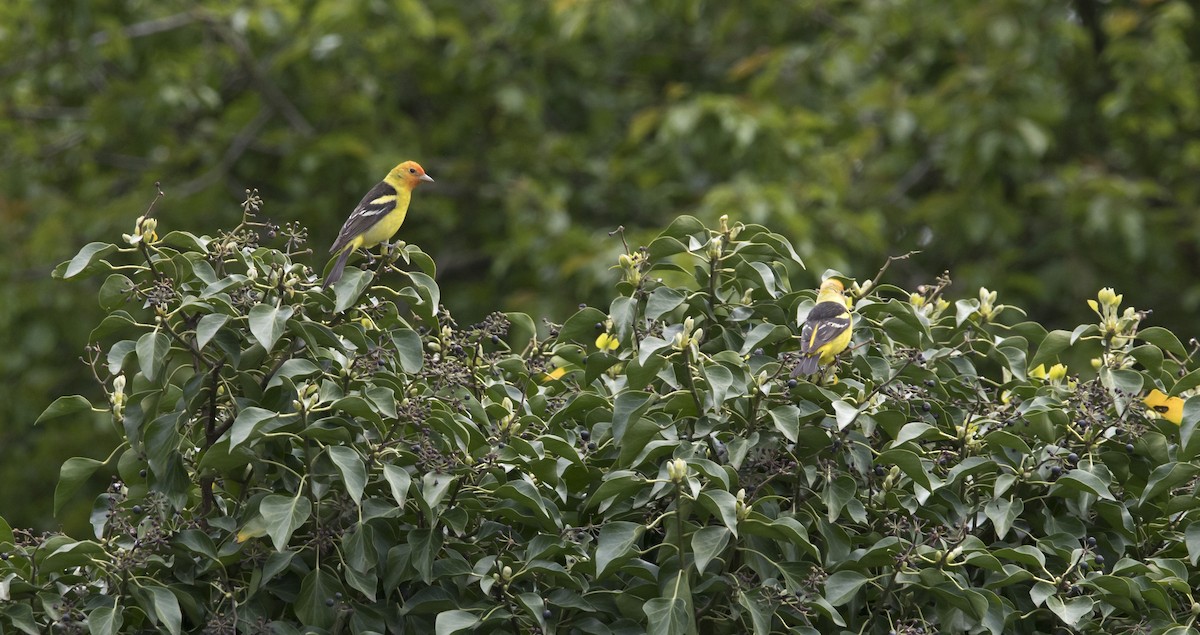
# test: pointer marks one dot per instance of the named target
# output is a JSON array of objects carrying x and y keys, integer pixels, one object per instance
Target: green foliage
[
  {"x": 353, "y": 460},
  {"x": 1042, "y": 148}
]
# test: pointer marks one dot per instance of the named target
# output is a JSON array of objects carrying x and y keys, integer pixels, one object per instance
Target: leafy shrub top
[{"x": 356, "y": 461}]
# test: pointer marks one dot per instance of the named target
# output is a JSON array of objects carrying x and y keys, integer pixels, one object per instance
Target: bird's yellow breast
[{"x": 387, "y": 226}]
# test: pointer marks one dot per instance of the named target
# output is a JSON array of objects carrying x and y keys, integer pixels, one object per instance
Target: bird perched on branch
[
  {"x": 378, "y": 215},
  {"x": 826, "y": 330}
]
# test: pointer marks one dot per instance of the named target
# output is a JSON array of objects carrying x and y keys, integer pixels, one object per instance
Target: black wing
[
  {"x": 824, "y": 324},
  {"x": 374, "y": 206}
]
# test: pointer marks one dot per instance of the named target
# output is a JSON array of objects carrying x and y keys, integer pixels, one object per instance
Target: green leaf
[
  {"x": 267, "y": 323},
  {"x": 352, "y": 469},
  {"x": 115, "y": 292},
  {"x": 723, "y": 505},
  {"x": 787, "y": 421},
  {"x": 1071, "y": 611},
  {"x": 1188, "y": 439},
  {"x": 909, "y": 463},
  {"x": 615, "y": 545},
  {"x": 105, "y": 620},
  {"x": 399, "y": 480},
  {"x": 1163, "y": 339},
  {"x": 208, "y": 327},
  {"x": 1192, "y": 538},
  {"x": 1166, "y": 477},
  {"x": 841, "y": 587},
  {"x": 451, "y": 622},
  {"x": 663, "y": 300},
  {"x": 666, "y": 616},
  {"x": 1054, "y": 343},
  {"x": 284, "y": 515},
  {"x": 152, "y": 351},
  {"x": 312, "y": 604},
  {"x": 526, "y": 495},
  {"x": 350, "y": 287},
  {"x": 166, "y": 608},
  {"x": 85, "y": 259},
  {"x": 249, "y": 422},
  {"x": 64, "y": 407},
  {"x": 73, "y": 474},
  {"x": 434, "y": 486},
  {"x": 1003, "y": 513},
  {"x": 708, "y": 543},
  {"x": 408, "y": 346},
  {"x": 1084, "y": 481}
]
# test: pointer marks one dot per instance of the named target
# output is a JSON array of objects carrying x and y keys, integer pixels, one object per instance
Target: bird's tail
[
  {"x": 335, "y": 274},
  {"x": 807, "y": 365}
]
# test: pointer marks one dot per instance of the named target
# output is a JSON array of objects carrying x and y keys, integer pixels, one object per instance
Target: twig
[{"x": 879, "y": 276}]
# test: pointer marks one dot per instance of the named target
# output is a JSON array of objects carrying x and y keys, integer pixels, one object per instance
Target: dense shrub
[{"x": 353, "y": 460}]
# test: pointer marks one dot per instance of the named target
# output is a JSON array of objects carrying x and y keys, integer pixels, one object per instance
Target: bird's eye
[
  {"x": 1161, "y": 409},
  {"x": 412, "y": 170}
]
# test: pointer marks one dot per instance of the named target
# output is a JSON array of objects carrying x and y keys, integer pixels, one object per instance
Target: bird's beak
[{"x": 426, "y": 177}]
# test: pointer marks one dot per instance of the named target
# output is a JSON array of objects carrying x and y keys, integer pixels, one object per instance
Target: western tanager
[
  {"x": 378, "y": 215},
  {"x": 826, "y": 330},
  {"x": 1169, "y": 408}
]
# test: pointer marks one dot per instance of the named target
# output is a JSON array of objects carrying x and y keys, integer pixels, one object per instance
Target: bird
[
  {"x": 378, "y": 215},
  {"x": 826, "y": 331},
  {"x": 1169, "y": 408}
]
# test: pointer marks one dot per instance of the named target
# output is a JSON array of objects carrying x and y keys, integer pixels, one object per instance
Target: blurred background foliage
[{"x": 1043, "y": 149}]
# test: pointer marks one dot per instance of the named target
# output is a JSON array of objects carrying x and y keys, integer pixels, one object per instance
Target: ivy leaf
[
  {"x": 399, "y": 480},
  {"x": 284, "y": 515},
  {"x": 267, "y": 323},
  {"x": 64, "y": 407},
  {"x": 614, "y": 545},
  {"x": 152, "y": 352},
  {"x": 708, "y": 543},
  {"x": 85, "y": 260},
  {"x": 73, "y": 474},
  {"x": 451, "y": 622},
  {"x": 842, "y": 586},
  {"x": 208, "y": 327},
  {"x": 166, "y": 609},
  {"x": 352, "y": 469}
]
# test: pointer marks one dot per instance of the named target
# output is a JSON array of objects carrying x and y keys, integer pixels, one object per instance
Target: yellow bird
[
  {"x": 1169, "y": 408},
  {"x": 827, "y": 329},
  {"x": 378, "y": 215}
]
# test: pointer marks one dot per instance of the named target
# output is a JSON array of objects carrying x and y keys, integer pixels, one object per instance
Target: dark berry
[
  {"x": 930, "y": 383},
  {"x": 338, "y": 595},
  {"x": 599, "y": 326},
  {"x": 585, "y": 435},
  {"x": 547, "y": 614},
  {"x": 1099, "y": 559},
  {"x": 1129, "y": 448},
  {"x": 1083, "y": 567},
  {"x": 142, "y": 473},
  {"x": 1073, "y": 458},
  {"x": 879, "y": 471},
  {"x": 591, "y": 445},
  {"x": 758, "y": 351},
  {"x": 328, "y": 601},
  {"x": 137, "y": 509},
  {"x": 792, "y": 383},
  {"x": 925, "y": 406},
  {"x": 1091, "y": 541},
  {"x": 4, "y": 555},
  {"x": 1055, "y": 471}
]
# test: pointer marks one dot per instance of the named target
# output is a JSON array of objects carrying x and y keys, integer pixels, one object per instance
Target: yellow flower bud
[{"x": 1057, "y": 372}]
